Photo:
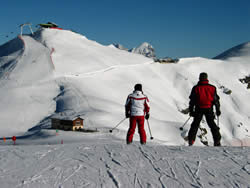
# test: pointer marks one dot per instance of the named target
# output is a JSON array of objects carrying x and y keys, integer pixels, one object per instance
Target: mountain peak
[{"x": 145, "y": 49}]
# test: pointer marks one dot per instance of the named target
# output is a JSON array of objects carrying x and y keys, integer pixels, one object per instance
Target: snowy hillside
[
  {"x": 75, "y": 54},
  {"x": 27, "y": 86},
  {"x": 58, "y": 73}
]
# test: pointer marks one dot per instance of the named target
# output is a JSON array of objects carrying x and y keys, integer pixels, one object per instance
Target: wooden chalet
[{"x": 73, "y": 124}]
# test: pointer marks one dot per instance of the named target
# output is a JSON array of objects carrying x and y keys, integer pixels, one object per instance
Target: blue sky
[{"x": 175, "y": 28}]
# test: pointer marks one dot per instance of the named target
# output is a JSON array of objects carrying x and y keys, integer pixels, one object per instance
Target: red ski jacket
[{"x": 204, "y": 95}]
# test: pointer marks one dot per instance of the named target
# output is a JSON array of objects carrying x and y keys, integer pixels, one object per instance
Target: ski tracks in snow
[
  {"x": 116, "y": 165},
  {"x": 110, "y": 68}
]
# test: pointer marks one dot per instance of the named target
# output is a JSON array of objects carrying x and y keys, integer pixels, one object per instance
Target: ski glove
[
  {"x": 218, "y": 112},
  {"x": 127, "y": 115},
  {"x": 147, "y": 116},
  {"x": 192, "y": 113}
]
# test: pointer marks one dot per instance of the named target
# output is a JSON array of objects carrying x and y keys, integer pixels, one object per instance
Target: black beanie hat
[
  {"x": 138, "y": 87},
  {"x": 203, "y": 76}
]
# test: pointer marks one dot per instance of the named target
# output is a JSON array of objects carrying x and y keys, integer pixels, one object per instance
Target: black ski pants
[{"x": 209, "y": 114}]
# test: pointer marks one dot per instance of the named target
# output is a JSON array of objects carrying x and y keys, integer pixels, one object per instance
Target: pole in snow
[
  {"x": 111, "y": 130},
  {"x": 181, "y": 128},
  {"x": 151, "y": 137}
]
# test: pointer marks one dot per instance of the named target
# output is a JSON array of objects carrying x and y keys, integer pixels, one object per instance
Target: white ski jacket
[{"x": 137, "y": 104}]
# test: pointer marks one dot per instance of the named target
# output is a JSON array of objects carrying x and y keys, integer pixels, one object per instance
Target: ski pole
[
  {"x": 218, "y": 121},
  {"x": 117, "y": 125},
  {"x": 151, "y": 137},
  {"x": 181, "y": 128}
]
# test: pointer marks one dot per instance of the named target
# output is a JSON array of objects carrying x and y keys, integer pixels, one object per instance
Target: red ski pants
[{"x": 140, "y": 121}]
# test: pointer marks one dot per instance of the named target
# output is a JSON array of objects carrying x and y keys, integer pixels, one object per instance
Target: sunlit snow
[{"x": 58, "y": 73}]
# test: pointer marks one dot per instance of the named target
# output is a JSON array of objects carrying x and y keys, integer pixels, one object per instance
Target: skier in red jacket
[
  {"x": 203, "y": 97},
  {"x": 136, "y": 107}
]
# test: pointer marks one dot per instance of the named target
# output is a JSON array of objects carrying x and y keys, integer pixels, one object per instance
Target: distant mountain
[
  {"x": 145, "y": 49},
  {"x": 237, "y": 51}
]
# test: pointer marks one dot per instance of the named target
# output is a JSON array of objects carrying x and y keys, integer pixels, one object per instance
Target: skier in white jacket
[{"x": 136, "y": 107}]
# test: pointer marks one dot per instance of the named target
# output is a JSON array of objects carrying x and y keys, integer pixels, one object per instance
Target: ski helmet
[{"x": 138, "y": 87}]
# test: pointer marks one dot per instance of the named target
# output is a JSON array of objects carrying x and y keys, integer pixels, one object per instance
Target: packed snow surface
[
  {"x": 58, "y": 73},
  {"x": 104, "y": 161}
]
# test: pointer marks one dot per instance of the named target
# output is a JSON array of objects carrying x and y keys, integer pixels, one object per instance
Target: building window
[{"x": 78, "y": 123}]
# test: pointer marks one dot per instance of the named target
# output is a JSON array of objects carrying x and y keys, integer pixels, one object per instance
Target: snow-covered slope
[
  {"x": 75, "y": 54},
  {"x": 64, "y": 73},
  {"x": 27, "y": 86}
]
